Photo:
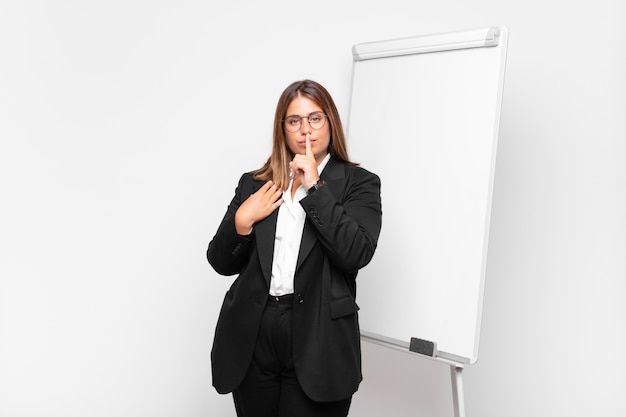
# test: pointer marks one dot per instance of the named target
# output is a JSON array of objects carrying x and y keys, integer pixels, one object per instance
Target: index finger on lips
[{"x": 309, "y": 152}]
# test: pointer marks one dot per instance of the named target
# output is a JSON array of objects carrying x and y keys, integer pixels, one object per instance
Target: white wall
[{"x": 124, "y": 126}]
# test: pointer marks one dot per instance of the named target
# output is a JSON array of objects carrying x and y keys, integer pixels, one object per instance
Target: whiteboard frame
[
  {"x": 449, "y": 41},
  {"x": 492, "y": 36}
]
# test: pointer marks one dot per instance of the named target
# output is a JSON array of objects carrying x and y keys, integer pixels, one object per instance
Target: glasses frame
[{"x": 288, "y": 127}]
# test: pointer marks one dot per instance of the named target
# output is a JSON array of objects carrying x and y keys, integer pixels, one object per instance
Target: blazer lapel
[
  {"x": 309, "y": 238},
  {"x": 334, "y": 177},
  {"x": 264, "y": 235}
]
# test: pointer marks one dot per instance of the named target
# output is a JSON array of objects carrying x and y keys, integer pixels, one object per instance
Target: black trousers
[{"x": 271, "y": 388}]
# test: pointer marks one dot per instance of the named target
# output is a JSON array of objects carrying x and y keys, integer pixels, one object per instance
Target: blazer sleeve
[
  {"x": 349, "y": 225},
  {"x": 228, "y": 251}
]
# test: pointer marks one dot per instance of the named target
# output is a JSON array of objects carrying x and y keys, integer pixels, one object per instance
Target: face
[{"x": 320, "y": 138}]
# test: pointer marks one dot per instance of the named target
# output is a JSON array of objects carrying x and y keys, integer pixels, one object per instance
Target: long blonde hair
[{"x": 276, "y": 168}]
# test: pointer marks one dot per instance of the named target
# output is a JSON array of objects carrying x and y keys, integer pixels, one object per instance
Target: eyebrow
[{"x": 297, "y": 115}]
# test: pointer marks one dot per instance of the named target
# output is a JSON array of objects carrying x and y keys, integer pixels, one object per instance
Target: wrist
[
  {"x": 242, "y": 226},
  {"x": 319, "y": 183}
]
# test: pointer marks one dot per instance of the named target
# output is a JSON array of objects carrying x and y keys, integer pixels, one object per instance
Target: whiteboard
[{"x": 424, "y": 115}]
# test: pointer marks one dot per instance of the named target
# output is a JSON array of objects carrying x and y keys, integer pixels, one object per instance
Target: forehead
[{"x": 302, "y": 106}]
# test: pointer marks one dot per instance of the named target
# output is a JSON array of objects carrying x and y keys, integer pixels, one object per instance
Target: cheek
[
  {"x": 292, "y": 143},
  {"x": 326, "y": 139}
]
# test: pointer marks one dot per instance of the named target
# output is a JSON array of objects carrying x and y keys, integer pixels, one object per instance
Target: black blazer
[{"x": 343, "y": 221}]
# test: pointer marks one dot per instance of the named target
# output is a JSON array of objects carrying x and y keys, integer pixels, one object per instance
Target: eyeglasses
[{"x": 317, "y": 119}]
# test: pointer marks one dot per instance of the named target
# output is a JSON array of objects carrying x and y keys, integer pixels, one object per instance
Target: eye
[
  {"x": 316, "y": 117},
  {"x": 293, "y": 121}
]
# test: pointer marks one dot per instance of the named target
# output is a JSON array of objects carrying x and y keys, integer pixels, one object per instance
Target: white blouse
[{"x": 289, "y": 227}]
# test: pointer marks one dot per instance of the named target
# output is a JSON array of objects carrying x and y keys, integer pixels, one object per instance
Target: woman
[{"x": 297, "y": 231}]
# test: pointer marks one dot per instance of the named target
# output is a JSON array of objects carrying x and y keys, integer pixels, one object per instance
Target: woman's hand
[
  {"x": 304, "y": 166},
  {"x": 257, "y": 207}
]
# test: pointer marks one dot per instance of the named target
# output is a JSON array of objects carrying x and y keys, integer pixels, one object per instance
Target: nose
[{"x": 305, "y": 127}]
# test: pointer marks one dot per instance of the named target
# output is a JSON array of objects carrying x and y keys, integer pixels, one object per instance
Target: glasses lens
[
  {"x": 317, "y": 120},
  {"x": 292, "y": 123}
]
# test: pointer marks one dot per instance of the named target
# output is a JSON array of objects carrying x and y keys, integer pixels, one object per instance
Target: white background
[{"x": 124, "y": 126}]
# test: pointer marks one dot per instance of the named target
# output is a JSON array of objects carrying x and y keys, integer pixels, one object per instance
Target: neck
[
  {"x": 294, "y": 186},
  {"x": 320, "y": 158}
]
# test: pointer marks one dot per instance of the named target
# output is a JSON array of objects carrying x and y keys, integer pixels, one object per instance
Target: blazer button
[
  {"x": 300, "y": 298},
  {"x": 237, "y": 249}
]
